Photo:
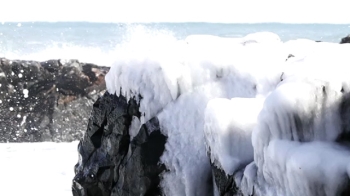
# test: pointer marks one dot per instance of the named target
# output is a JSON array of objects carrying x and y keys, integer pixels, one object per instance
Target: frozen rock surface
[{"x": 246, "y": 116}]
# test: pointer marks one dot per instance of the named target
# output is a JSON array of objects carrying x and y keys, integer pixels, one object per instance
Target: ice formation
[
  {"x": 254, "y": 102},
  {"x": 228, "y": 130}
]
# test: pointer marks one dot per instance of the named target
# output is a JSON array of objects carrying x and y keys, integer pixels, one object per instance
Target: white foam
[
  {"x": 66, "y": 51},
  {"x": 262, "y": 38}
]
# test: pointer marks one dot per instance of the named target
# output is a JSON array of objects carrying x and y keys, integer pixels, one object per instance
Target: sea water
[{"x": 97, "y": 42}]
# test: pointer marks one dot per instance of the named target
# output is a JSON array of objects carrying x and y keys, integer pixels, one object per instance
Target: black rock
[
  {"x": 225, "y": 183},
  {"x": 344, "y": 112},
  {"x": 345, "y": 40},
  {"x": 290, "y": 56},
  {"x": 45, "y": 101},
  {"x": 111, "y": 163}
]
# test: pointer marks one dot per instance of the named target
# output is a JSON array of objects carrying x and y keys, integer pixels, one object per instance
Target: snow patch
[{"x": 47, "y": 168}]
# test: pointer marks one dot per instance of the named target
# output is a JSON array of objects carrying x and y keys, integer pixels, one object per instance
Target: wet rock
[
  {"x": 47, "y": 101},
  {"x": 344, "y": 112},
  {"x": 289, "y": 56},
  {"x": 112, "y": 163},
  {"x": 345, "y": 40},
  {"x": 225, "y": 183}
]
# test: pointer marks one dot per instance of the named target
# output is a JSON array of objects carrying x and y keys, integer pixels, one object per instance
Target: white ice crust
[{"x": 244, "y": 103}]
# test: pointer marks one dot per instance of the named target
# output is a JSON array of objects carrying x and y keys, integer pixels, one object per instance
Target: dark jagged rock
[
  {"x": 43, "y": 101},
  {"x": 225, "y": 184},
  {"x": 111, "y": 163},
  {"x": 290, "y": 56},
  {"x": 345, "y": 40},
  {"x": 344, "y": 109}
]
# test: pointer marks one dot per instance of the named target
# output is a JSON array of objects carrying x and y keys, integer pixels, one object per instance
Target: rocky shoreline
[
  {"x": 53, "y": 100},
  {"x": 47, "y": 101}
]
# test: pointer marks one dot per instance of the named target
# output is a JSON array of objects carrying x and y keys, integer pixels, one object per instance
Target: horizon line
[{"x": 177, "y": 22}]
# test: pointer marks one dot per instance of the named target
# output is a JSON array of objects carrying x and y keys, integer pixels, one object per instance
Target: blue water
[{"x": 22, "y": 40}]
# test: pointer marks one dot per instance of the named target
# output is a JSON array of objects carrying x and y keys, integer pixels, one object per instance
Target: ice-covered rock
[
  {"x": 260, "y": 117},
  {"x": 228, "y": 128},
  {"x": 176, "y": 84},
  {"x": 295, "y": 138}
]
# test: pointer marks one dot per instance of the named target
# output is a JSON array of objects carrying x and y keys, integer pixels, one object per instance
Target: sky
[{"x": 224, "y": 11}]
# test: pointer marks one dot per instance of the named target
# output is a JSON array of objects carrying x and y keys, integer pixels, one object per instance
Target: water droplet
[{"x": 25, "y": 93}]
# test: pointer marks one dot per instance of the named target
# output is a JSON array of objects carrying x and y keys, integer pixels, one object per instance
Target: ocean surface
[{"x": 97, "y": 42}]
